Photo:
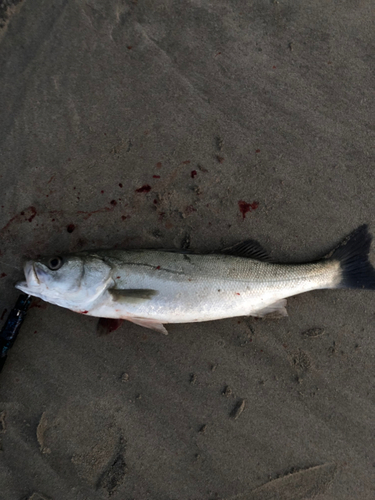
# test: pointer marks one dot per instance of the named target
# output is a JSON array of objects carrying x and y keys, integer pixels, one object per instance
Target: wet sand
[{"x": 141, "y": 124}]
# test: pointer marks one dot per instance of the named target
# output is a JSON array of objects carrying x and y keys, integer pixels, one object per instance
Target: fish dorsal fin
[{"x": 250, "y": 249}]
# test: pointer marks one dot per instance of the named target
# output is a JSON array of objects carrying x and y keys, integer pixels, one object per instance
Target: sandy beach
[{"x": 198, "y": 124}]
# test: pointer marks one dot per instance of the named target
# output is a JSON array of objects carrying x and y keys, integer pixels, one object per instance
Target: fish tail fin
[{"x": 352, "y": 254}]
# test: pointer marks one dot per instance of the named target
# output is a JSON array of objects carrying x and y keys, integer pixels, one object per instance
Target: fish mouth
[{"x": 32, "y": 280}]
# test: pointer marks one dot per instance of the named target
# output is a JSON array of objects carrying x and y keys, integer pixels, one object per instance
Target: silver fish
[{"x": 152, "y": 287}]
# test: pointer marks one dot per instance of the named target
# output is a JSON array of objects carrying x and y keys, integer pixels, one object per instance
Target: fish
[{"x": 152, "y": 288}]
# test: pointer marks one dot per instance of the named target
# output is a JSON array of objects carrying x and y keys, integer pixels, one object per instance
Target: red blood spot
[
  {"x": 84, "y": 312},
  {"x": 123, "y": 217},
  {"x": 114, "y": 203},
  {"x": 35, "y": 331},
  {"x": 120, "y": 185},
  {"x": 108, "y": 325},
  {"x": 238, "y": 293},
  {"x": 53, "y": 220},
  {"x": 4, "y": 313},
  {"x": 273, "y": 67},
  {"x": 102, "y": 191},
  {"x": 118, "y": 277},
  {"x": 250, "y": 340},
  {"x": 70, "y": 228},
  {"x": 156, "y": 176},
  {"x": 2, "y": 275},
  {"x": 22, "y": 213},
  {"x": 144, "y": 189},
  {"x": 39, "y": 304},
  {"x": 186, "y": 162},
  {"x": 157, "y": 267},
  {"x": 129, "y": 47},
  {"x": 257, "y": 150},
  {"x": 261, "y": 350},
  {"x": 220, "y": 159},
  {"x": 159, "y": 164},
  {"x": 155, "y": 201},
  {"x": 193, "y": 173},
  {"x": 33, "y": 213},
  {"x": 247, "y": 207}
]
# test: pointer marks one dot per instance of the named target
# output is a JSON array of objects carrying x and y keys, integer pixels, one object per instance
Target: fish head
[{"x": 71, "y": 281}]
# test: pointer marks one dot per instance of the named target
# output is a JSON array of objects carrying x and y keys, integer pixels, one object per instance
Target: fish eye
[{"x": 55, "y": 263}]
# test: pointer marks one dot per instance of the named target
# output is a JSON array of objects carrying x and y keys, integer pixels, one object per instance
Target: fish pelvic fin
[
  {"x": 277, "y": 309},
  {"x": 149, "y": 323},
  {"x": 352, "y": 254}
]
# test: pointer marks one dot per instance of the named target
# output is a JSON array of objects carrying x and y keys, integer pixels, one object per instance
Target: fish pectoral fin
[
  {"x": 278, "y": 308},
  {"x": 131, "y": 295},
  {"x": 149, "y": 323}
]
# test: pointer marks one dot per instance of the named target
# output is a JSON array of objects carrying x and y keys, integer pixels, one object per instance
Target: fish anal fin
[
  {"x": 276, "y": 309},
  {"x": 249, "y": 249},
  {"x": 149, "y": 323},
  {"x": 131, "y": 295}
]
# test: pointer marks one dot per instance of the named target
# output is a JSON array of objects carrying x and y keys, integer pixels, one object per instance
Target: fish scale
[{"x": 153, "y": 287}]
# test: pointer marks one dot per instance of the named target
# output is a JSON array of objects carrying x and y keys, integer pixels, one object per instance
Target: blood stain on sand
[
  {"x": 39, "y": 304},
  {"x": 33, "y": 213},
  {"x": 193, "y": 173},
  {"x": 146, "y": 188},
  {"x": 70, "y": 228},
  {"x": 108, "y": 325},
  {"x": 26, "y": 215},
  {"x": 247, "y": 207}
]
